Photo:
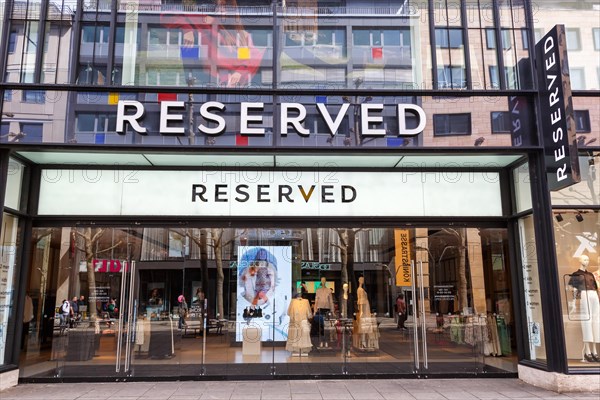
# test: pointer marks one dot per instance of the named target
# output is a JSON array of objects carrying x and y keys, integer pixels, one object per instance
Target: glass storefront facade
[
  {"x": 459, "y": 318},
  {"x": 289, "y": 169}
]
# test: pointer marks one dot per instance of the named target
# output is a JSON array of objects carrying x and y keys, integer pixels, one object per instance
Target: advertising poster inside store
[{"x": 264, "y": 291}]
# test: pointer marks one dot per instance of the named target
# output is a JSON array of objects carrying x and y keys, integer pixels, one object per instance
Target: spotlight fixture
[
  {"x": 559, "y": 217},
  {"x": 579, "y": 217}
]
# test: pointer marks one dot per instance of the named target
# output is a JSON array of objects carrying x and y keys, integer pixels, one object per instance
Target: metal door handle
[
  {"x": 120, "y": 326},
  {"x": 423, "y": 317},
  {"x": 414, "y": 310},
  {"x": 130, "y": 316}
]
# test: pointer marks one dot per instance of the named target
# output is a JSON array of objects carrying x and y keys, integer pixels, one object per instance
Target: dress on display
[
  {"x": 323, "y": 299},
  {"x": 587, "y": 292},
  {"x": 299, "y": 329},
  {"x": 366, "y": 334}
]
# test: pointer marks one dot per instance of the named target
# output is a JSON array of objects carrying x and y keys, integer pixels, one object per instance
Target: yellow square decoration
[
  {"x": 243, "y": 53},
  {"x": 113, "y": 98}
]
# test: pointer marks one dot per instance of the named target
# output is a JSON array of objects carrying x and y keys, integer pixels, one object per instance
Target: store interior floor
[{"x": 223, "y": 356}]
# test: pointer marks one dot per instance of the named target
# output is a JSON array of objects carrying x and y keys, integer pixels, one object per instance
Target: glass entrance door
[{"x": 460, "y": 302}]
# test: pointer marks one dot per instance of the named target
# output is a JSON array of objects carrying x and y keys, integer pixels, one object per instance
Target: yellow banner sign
[{"x": 402, "y": 259}]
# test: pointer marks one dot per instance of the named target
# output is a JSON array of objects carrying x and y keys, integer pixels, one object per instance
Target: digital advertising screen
[{"x": 264, "y": 279}]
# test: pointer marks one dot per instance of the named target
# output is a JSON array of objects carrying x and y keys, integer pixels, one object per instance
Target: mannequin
[
  {"x": 298, "y": 341},
  {"x": 344, "y": 307},
  {"x": 585, "y": 288},
  {"x": 323, "y": 305},
  {"x": 366, "y": 336}
]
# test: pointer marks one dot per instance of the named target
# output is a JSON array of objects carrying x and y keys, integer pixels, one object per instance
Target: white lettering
[
  {"x": 245, "y": 119},
  {"x": 366, "y": 119},
  {"x": 401, "y": 114},
  {"x": 333, "y": 125},
  {"x": 559, "y": 153},
  {"x": 557, "y": 135},
  {"x": 206, "y": 114},
  {"x": 295, "y": 121},
  {"x": 132, "y": 119},
  {"x": 561, "y": 173},
  {"x": 555, "y": 116},
  {"x": 548, "y": 44},
  {"x": 165, "y": 117}
]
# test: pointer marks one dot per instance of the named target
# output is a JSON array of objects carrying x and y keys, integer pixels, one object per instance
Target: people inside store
[
  {"x": 155, "y": 298},
  {"x": 366, "y": 334},
  {"x": 322, "y": 308},
  {"x": 401, "y": 310},
  {"x": 585, "y": 292},
  {"x": 64, "y": 315},
  {"x": 298, "y": 341},
  {"x": 75, "y": 317},
  {"x": 182, "y": 310}
]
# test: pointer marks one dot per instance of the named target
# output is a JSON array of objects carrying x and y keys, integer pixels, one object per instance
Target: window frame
[
  {"x": 577, "y": 34},
  {"x": 448, "y": 43},
  {"x": 585, "y": 116},
  {"x": 505, "y": 115},
  {"x": 449, "y": 116}
]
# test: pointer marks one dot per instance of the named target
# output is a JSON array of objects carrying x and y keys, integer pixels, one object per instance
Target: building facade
[{"x": 289, "y": 189}]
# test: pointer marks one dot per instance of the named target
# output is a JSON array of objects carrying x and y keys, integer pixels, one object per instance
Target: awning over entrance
[{"x": 277, "y": 159}]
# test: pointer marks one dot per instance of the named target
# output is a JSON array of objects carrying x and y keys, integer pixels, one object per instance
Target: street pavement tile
[
  {"x": 487, "y": 395},
  {"x": 276, "y": 396},
  {"x": 398, "y": 396},
  {"x": 306, "y": 396},
  {"x": 246, "y": 396},
  {"x": 426, "y": 395},
  {"x": 336, "y": 396},
  {"x": 184, "y": 397},
  {"x": 367, "y": 396},
  {"x": 456, "y": 395}
]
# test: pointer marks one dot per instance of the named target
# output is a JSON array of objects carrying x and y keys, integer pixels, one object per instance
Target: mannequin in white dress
[
  {"x": 366, "y": 335},
  {"x": 298, "y": 341}
]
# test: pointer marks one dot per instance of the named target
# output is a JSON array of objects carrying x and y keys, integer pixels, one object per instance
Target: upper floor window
[
  {"x": 490, "y": 35},
  {"x": 582, "y": 121},
  {"x": 12, "y": 42},
  {"x": 525, "y": 39},
  {"x": 34, "y": 96},
  {"x": 449, "y": 38},
  {"x": 577, "y": 76},
  {"x": 509, "y": 75},
  {"x": 31, "y": 132},
  {"x": 381, "y": 37},
  {"x": 261, "y": 37},
  {"x": 4, "y": 131},
  {"x": 501, "y": 121},
  {"x": 450, "y": 77},
  {"x": 573, "y": 39},
  {"x": 90, "y": 122},
  {"x": 451, "y": 124},
  {"x": 596, "y": 34},
  {"x": 94, "y": 34}
]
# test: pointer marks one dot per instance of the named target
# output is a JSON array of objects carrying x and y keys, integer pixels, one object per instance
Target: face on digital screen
[{"x": 258, "y": 278}]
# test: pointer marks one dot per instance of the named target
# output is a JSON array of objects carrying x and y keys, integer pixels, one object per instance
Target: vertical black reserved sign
[{"x": 556, "y": 110}]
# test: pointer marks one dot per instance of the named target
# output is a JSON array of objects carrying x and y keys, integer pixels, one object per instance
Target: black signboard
[
  {"x": 521, "y": 108},
  {"x": 556, "y": 114},
  {"x": 443, "y": 292}
]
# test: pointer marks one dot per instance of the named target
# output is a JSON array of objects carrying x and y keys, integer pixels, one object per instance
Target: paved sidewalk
[{"x": 389, "y": 389}]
